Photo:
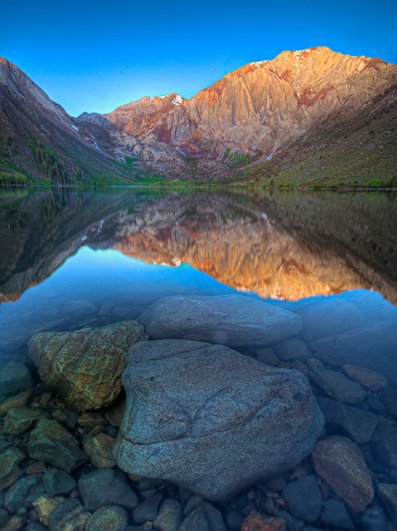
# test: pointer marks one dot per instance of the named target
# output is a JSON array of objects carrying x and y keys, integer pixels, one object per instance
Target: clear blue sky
[{"x": 92, "y": 55}]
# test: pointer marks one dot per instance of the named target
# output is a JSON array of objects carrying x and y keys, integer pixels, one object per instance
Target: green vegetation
[
  {"x": 234, "y": 157},
  {"x": 8, "y": 146},
  {"x": 13, "y": 178},
  {"x": 365, "y": 159},
  {"x": 48, "y": 162}
]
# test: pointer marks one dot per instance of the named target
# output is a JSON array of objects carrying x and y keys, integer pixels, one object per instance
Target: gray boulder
[
  {"x": 232, "y": 320},
  {"x": 210, "y": 419}
]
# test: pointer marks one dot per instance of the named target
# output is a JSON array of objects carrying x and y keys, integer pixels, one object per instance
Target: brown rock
[
  {"x": 256, "y": 522},
  {"x": 373, "y": 380},
  {"x": 100, "y": 450},
  {"x": 340, "y": 463},
  {"x": 85, "y": 366}
]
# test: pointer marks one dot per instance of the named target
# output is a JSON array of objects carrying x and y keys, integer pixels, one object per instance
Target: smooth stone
[
  {"x": 52, "y": 443},
  {"x": 106, "y": 487},
  {"x": 205, "y": 517},
  {"x": 256, "y": 522},
  {"x": 291, "y": 349},
  {"x": 84, "y": 367},
  {"x": 347, "y": 420},
  {"x": 232, "y": 320},
  {"x": 20, "y": 419},
  {"x": 340, "y": 463},
  {"x": 373, "y": 345},
  {"x": 68, "y": 516},
  {"x": 337, "y": 385},
  {"x": 147, "y": 510},
  {"x": 329, "y": 316},
  {"x": 108, "y": 518},
  {"x": 388, "y": 496},
  {"x": 384, "y": 444},
  {"x": 58, "y": 482},
  {"x": 17, "y": 400},
  {"x": 303, "y": 498},
  {"x": 9, "y": 466},
  {"x": 234, "y": 520},
  {"x": 169, "y": 516},
  {"x": 185, "y": 423},
  {"x": 335, "y": 514},
  {"x": 99, "y": 448},
  {"x": 23, "y": 492},
  {"x": 15, "y": 376},
  {"x": 374, "y": 381},
  {"x": 373, "y": 519}
]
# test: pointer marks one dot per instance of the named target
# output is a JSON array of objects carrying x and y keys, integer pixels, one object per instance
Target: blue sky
[{"x": 95, "y": 55}]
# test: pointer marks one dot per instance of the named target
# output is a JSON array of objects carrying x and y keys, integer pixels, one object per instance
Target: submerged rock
[
  {"x": 23, "y": 492},
  {"x": 52, "y": 443},
  {"x": 233, "y": 320},
  {"x": 373, "y": 345},
  {"x": 169, "y": 516},
  {"x": 100, "y": 450},
  {"x": 373, "y": 380},
  {"x": 85, "y": 366},
  {"x": 9, "y": 466},
  {"x": 110, "y": 517},
  {"x": 20, "y": 419},
  {"x": 359, "y": 424},
  {"x": 205, "y": 517},
  {"x": 14, "y": 376},
  {"x": 303, "y": 498},
  {"x": 340, "y": 463},
  {"x": 69, "y": 515},
  {"x": 106, "y": 487},
  {"x": 337, "y": 385},
  {"x": 210, "y": 419},
  {"x": 256, "y": 522}
]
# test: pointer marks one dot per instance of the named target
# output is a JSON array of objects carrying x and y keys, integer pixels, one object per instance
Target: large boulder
[
  {"x": 210, "y": 419},
  {"x": 232, "y": 320},
  {"x": 85, "y": 366}
]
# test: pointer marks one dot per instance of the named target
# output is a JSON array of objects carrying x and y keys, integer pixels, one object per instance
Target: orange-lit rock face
[
  {"x": 250, "y": 249},
  {"x": 263, "y": 106},
  {"x": 140, "y": 117},
  {"x": 250, "y": 257}
]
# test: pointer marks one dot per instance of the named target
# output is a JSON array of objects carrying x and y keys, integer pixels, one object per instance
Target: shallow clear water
[{"x": 72, "y": 259}]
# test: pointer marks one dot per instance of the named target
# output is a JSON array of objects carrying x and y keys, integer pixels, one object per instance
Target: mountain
[
  {"x": 38, "y": 138},
  {"x": 305, "y": 117}
]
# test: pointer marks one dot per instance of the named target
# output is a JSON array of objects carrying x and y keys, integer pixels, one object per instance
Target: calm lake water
[
  {"x": 72, "y": 259},
  {"x": 76, "y": 259}
]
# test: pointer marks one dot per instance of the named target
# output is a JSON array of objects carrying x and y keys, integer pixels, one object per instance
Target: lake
[{"x": 290, "y": 290}]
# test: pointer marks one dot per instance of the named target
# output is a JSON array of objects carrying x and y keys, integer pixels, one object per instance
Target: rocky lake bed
[{"x": 202, "y": 413}]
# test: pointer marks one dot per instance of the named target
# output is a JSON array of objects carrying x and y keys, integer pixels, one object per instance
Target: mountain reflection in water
[{"x": 71, "y": 259}]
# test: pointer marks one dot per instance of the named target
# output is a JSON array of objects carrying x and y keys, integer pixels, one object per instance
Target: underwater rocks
[
  {"x": 232, "y": 320},
  {"x": 339, "y": 461},
  {"x": 85, "y": 366},
  {"x": 52, "y": 443},
  {"x": 210, "y": 419},
  {"x": 14, "y": 376}
]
